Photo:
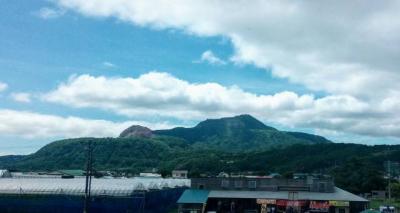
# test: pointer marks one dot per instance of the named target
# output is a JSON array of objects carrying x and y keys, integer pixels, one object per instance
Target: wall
[{"x": 153, "y": 202}]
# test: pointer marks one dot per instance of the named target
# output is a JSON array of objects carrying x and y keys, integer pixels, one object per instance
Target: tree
[{"x": 396, "y": 190}]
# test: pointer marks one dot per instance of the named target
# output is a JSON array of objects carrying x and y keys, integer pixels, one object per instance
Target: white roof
[
  {"x": 3, "y": 171},
  {"x": 76, "y": 186}
]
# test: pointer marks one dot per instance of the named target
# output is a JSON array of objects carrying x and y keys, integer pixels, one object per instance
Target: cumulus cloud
[
  {"x": 349, "y": 49},
  {"x": 35, "y": 125},
  {"x": 161, "y": 94},
  {"x": 209, "y": 57},
  {"x": 108, "y": 64},
  {"x": 21, "y": 97},
  {"x": 3, "y": 86},
  {"x": 50, "y": 13},
  {"x": 346, "y": 49}
]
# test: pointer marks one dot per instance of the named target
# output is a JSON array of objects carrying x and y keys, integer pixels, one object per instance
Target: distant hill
[
  {"x": 358, "y": 168},
  {"x": 239, "y": 133},
  {"x": 138, "y": 147},
  {"x": 109, "y": 153}
]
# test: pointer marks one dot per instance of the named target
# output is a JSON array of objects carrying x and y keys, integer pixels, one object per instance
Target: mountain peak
[
  {"x": 136, "y": 131},
  {"x": 243, "y": 121}
]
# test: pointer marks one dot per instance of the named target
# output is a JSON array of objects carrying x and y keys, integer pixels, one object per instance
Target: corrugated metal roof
[
  {"x": 194, "y": 196},
  {"x": 76, "y": 186},
  {"x": 339, "y": 194}
]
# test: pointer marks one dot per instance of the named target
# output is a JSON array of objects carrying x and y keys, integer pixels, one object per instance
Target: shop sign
[
  {"x": 266, "y": 201},
  {"x": 339, "y": 203},
  {"x": 319, "y": 205},
  {"x": 294, "y": 203}
]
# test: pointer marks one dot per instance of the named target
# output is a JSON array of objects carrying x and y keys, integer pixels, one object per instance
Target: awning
[{"x": 194, "y": 196}]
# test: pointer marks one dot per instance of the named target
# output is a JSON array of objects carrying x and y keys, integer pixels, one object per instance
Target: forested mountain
[
  {"x": 238, "y": 144},
  {"x": 239, "y": 134}
]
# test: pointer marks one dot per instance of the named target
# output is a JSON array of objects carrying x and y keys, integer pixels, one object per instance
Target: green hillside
[
  {"x": 238, "y": 134},
  {"x": 357, "y": 168},
  {"x": 125, "y": 154},
  {"x": 234, "y": 145}
]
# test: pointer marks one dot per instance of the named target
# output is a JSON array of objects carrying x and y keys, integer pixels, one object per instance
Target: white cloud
[
  {"x": 209, "y": 57},
  {"x": 158, "y": 94},
  {"x": 349, "y": 49},
  {"x": 50, "y": 13},
  {"x": 3, "y": 86},
  {"x": 35, "y": 125},
  {"x": 21, "y": 97},
  {"x": 349, "y": 52},
  {"x": 108, "y": 64}
]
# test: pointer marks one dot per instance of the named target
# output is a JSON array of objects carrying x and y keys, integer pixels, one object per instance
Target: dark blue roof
[{"x": 194, "y": 196}]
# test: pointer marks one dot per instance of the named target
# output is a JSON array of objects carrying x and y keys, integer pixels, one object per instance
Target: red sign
[{"x": 319, "y": 205}]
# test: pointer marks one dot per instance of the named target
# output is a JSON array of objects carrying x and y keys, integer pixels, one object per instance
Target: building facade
[
  {"x": 179, "y": 174},
  {"x": 270, "y": 195}
]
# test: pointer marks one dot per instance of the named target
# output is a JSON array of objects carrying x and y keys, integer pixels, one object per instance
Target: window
[
  {"x": 252, "y": 184},
  {"x": 238, "y": 184},
  {"x": 321, "y": 187},
  {"x": 225, "y": 183}
]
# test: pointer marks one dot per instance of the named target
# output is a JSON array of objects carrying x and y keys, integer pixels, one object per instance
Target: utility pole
[
  {"x": 88, "y": 183},
  {"x": 389, "y": 185}
]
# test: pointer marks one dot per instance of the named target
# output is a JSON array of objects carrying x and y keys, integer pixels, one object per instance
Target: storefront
[{"x": 219, "y": 195}]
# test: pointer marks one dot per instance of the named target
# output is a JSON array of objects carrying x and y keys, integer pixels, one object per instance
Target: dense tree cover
[
  {"x": 238, "y": 134},
  {"x": 357, "y": 168},
  {"x": 396, "y": 189},
  {"x": 124, "y": 154},
  {"x": 233, "y": 145}
]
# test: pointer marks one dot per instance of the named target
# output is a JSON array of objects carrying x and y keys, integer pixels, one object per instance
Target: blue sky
[{"x": 46, "y": 44}]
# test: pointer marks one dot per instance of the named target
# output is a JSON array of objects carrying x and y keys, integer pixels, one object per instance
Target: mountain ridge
[
  {"x": 355, "y": 167},
  {"x": 239, "y": 133}
]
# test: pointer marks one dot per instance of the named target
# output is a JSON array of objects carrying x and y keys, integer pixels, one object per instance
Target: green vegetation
[
  {"x": 241, "y": 133},
  {"x": 376, "y": 203},
  {"x": 232, "y": 145}
]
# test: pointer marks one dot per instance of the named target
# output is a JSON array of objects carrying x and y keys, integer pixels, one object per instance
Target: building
[
  {"x": 5, "y": 173},
  {"x": 179, "y": 174},
  {"x": 149, "y": 175},
  {"x": 116, "y": 195},
  {"x": 268, "y": 195}
]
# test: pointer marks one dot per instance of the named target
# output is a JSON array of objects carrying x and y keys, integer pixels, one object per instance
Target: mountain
[
  {"x": 235, "y": 144},
  {"x": 136, "y": 131},
  {"x": 133, "y": 154},
  {"x": 140, "y": 148},
  {"x": 357, "y": 168},
  {"x": 239, "y": 133},
  {"x": 309, "y": 137}
]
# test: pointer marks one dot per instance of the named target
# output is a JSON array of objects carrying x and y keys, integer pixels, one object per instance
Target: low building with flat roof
[
  {"x": 179, "y": 174},
  {"x": 270, "y": 195}
]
